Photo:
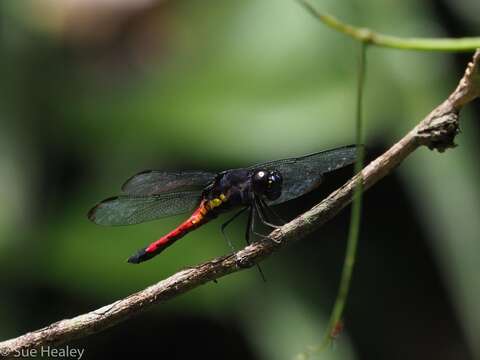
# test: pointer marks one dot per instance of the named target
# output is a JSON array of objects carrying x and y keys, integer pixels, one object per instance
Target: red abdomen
[{"x": 201, "y": 216}]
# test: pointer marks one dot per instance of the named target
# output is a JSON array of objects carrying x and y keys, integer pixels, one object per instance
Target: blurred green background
[{"x": 94, "y": 91}]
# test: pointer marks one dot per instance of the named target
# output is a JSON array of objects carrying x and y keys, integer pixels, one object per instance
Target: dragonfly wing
[
  {"x": 154, "y": 182},
  {"x": 303, "y": 174},
  {"x": 134, "y": 209}
]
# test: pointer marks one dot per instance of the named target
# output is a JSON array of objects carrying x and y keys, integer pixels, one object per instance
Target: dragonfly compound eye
[{"x": 268, "y": 184}]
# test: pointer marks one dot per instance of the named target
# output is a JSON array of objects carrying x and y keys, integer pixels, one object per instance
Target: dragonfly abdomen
[{"x": 206, "y": 211}]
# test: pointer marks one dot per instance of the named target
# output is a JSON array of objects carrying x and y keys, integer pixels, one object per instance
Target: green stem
[
  {"x": 351, "y": 251},
  {"x": 354, "y": 229},
  {"x": 374, "y": 38}
]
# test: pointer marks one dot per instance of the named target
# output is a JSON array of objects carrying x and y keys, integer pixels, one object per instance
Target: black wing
[
  {"x": 134, "y": 209},
  {"x": 303, "y": 174},
  {"x": 153, "y": 182}
]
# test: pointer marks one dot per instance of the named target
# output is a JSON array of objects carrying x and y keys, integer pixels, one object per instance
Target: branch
[
  {"x": 371, "y": 37},
  {"x": 437, "y": 131}
]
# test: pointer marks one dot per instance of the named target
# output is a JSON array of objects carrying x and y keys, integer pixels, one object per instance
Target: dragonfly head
[{"x": 267, "y": 183}]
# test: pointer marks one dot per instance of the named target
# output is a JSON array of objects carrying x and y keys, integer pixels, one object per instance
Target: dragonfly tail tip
[{"x": 141, "y": 256}]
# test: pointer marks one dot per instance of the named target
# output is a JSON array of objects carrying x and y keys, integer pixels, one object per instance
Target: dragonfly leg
[
  {"x": 249, "y": 230},
  {"x": 228, "y": 222},
  {"x": 273, "y": 213},
  {"x": 262, "y": 216},
  {"x": 268, "y": 224},
  {"x": 251, "y": 226}
]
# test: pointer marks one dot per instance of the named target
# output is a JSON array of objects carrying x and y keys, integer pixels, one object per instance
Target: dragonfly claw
[{"x": 245, "y": 263}]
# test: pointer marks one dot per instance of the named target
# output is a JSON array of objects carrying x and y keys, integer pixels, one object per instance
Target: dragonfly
[{"x": 155, "y": 194}]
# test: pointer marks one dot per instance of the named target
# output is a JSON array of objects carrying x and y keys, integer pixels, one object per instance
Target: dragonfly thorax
[{"x": 267, "y": 183}]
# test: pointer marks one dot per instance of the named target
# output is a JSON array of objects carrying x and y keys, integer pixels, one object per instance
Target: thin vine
[
  {"x": 335, "y": 323},
  {"x": 371, "y": 37}
]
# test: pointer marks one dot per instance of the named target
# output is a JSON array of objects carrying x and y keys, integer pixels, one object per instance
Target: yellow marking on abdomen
[
  {"x": 216, "y": 202},
  {"x": 197, "y": 218}
]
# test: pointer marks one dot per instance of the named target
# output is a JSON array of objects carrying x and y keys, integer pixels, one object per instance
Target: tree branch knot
[
  {"x": 439, "y": 128},
  {"x": 439, "y": 133}
]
